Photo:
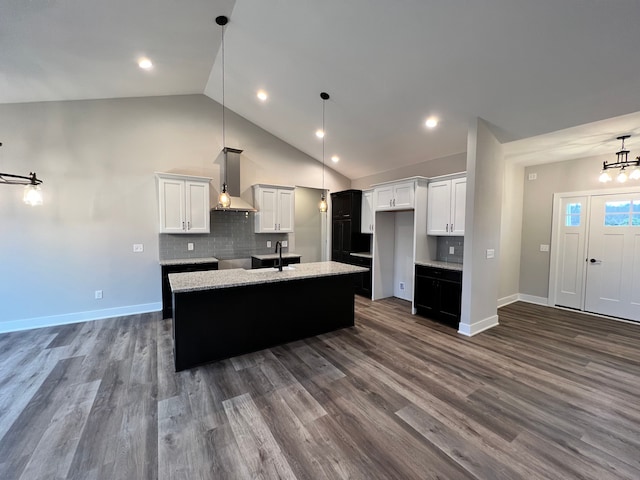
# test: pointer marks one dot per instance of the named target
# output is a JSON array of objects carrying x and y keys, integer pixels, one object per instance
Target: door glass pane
[
  {"x": 573, "y": 215},
  {"x": 617, "y": 214}
]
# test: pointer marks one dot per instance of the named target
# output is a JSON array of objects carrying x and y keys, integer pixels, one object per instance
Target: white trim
[
  {"x": 54, "y": 320},
  {"x": 507, "y": 300},
  {"x": 481, "y": 326},
  {"x": 533, "y": 299}
]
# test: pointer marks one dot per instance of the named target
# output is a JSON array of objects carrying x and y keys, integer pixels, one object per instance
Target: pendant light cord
[
  {"x": 323, "y": 135},
  {"x": 224, "y": 141}
]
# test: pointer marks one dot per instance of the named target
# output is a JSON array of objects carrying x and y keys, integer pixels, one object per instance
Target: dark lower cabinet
[
  {"x": 167, "y": 309},
  {"x": 437, "y": 294},
  {"x": 272, "y": 262},
  {"x": 362, "y": 282}
]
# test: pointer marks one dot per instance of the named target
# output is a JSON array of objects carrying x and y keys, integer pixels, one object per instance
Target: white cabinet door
[
  {"x": 458, "y": 199},
  {"x": 197, "y": 207},
  {"x": 397, "y": 196},
  {"x": 438, "y": 207},
  {"x": 183, "y": 203},
  {"x": 446, "y": 207},
  {"x": 285, "y": 211},
  {"x": 403, "y": 194},
  {"x": 383, "y": 198},
  {"x": 172, "y": 205},
  {"x": 276, "y": 209},
  {"x": 367, "y": 221}
]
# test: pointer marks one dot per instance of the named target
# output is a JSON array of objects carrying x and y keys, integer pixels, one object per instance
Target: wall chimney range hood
[{"x": 232, "y": 170}]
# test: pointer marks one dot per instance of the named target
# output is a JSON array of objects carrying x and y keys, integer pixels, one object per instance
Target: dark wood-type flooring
[{"x": 548, "y": 394}]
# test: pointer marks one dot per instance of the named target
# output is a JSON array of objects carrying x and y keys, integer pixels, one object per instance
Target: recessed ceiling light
[
  {"x": 319, "y": 133},
  {"x": 145, "y": 64},
  {"x": 431, "y": 122},
  {"x": 335, "y": 159},
  {"x": 262, "y": 95}
]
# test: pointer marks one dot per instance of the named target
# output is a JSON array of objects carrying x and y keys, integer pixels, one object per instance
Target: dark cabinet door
[
  {"x": 437, "y": 294},
  {"x": 426, "y": 294},
  {"x": 450, "y": 297}
]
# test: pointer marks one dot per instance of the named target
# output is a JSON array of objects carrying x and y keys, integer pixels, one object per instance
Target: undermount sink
[{"x": 270, "y": 269}]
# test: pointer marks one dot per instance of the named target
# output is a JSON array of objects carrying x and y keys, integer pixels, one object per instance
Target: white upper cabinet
[
  {"x": 183, "y": 203},
  {"x": 367, "y": 216},
  {"x": 446, "y": 207},
  {"x": 394, "y": 196},
  {"x": 276, "y": 207}
]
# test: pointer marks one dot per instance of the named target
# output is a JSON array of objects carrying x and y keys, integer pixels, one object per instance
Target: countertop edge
[
  {"x": 188, "y": 261},
  {"x": 438, "y": 264}
]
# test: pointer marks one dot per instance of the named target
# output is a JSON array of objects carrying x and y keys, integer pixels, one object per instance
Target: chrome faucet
[{"x": 278, "y": 243}]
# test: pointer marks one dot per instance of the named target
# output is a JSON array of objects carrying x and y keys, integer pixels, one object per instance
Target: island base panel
[{"x": 211, "y": 325}]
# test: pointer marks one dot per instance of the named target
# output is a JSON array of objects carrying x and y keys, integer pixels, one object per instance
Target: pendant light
[
  {"x": 32, "y": 193},
  {"x": 323, "y": 199},
  {"x": 224, "y": 199}
]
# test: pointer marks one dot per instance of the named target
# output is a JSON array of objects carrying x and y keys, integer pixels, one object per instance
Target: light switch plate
[
  {"x": 138, "y": 247},
  {"x": 190, "y": 246},
  {"x": 452, "y": 250},
  {"x": 268, "y": 243},
  {"x": 491, "y": 253},
  {"x": 544, "y": 248},
  {"x": 533, "y": 176},
  {"x": 285, "y": 243}
]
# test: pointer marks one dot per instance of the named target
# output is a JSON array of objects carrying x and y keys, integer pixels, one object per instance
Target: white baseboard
[
  {"x": 475, "y": 328},
  {"x": 507, "y": 300},
  {"x": 54, "y": 320},
  {"x": 533, "y": 299}
]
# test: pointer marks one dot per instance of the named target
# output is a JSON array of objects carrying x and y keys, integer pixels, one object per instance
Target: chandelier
[{"x": 628, "y": 169}]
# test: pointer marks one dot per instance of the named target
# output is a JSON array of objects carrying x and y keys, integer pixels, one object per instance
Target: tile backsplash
[
  {"x": 442, "y": 251},
  {"x": 231, "y": 237}
]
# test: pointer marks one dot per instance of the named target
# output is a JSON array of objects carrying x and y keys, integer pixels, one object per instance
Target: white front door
[
  {"x": 613, "y": 257},
  {"x": 571, "y": 245}
]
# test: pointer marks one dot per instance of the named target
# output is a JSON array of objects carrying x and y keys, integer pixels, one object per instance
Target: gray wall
[
  {"x": 432, "y": 168},
  {"x": 308, "y": 225},
  {"x": 97, "y": 159},
  {"x": 511, "y": 233},
  {"x": 570, "y": 176}
]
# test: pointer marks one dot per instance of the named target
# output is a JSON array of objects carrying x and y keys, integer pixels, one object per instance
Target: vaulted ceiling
[{"x": 530, "y": 68}]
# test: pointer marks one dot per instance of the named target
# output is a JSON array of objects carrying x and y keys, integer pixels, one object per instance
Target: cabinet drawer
[{"x": 442, "y": 273}]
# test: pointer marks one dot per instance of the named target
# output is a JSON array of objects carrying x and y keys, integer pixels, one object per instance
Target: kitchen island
[{"x": 223, "y": 313}]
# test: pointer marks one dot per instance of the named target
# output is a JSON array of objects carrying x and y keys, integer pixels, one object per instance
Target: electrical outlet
[
  {"x": 138, "y": 247},
  {"x": 98, "y": 294},
  {"x": 491, "y": 253},
  {"x": 190, "y": 246},
  {"x": 544, "y": 248},
  {"x": 452, "y": 250},
  {"x": 268, "y": 243},
  {"x": 533, "y": 176},
  {"x": 401, "y": 285},
  {"x": 285, "y": 244}
]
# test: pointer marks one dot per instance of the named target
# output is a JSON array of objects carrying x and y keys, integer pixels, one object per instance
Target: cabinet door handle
[
  {"x": 188, "y": 225},
  {"x": 447, "y": 228},
  {"x": 452, "y": 228},
  {"x": 275, "y": 226},
  {"x": 394, "y": 202},
  {"x": 183, "y": 225}
]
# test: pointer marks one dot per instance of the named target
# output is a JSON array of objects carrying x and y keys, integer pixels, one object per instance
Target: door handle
[{"x": 593, "y": 260}]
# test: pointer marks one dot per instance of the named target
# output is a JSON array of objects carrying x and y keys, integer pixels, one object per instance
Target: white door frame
[{"x": 557, "y": 217}]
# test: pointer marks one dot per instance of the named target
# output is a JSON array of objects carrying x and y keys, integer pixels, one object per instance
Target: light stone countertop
[
  {"x": 273, "y": 256},
  {"x": 435, "y": 263},
  {"x": 237, "y": 277},
  {"x": 361, "y": 254},
  {"x": 187, "y": 261}
]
